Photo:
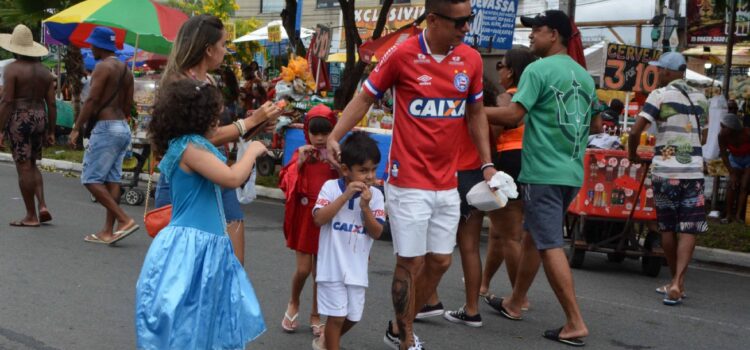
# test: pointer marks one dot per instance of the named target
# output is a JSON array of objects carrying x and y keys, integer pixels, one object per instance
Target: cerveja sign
[
  {"x": 494, "y": 23},
  {"x": 628, "y": 70}
]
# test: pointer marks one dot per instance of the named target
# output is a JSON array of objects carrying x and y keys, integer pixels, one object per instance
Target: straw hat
[{"x": 22, "y": 42}]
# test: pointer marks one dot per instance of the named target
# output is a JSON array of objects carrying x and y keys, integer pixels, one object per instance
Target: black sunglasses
[{"x": 459, "y": 22}]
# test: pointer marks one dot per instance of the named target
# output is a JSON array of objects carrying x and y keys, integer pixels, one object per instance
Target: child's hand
[
  {"x": 353, "y": 188},
  {"x": 365, "y": 197},
  {"x": 305, "y": 152},
  {"x": 257, "y": 148}
]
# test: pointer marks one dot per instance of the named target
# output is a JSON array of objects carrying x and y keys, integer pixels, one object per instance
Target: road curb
[
  {"x": 702, "y": 254},
  {"x": 721, "y": 256},
  {"x": 63, "y": 165}
]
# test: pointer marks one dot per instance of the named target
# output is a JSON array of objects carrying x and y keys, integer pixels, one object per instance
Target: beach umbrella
[
  {"x": 145, "y": 24},
  {"x": 261, "y": 34}
]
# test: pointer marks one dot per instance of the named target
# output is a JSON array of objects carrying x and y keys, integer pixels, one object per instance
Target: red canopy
[
  {"x": 379, "y": 47},
  {"x": 575, "y": 46}
]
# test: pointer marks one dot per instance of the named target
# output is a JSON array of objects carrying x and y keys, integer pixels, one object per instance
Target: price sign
[
  {"x": 274, "y": 33},
  {"x": 628, "y": 70}
]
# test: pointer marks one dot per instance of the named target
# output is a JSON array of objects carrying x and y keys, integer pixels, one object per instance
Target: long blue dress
[{"x": 192, "y": 292}]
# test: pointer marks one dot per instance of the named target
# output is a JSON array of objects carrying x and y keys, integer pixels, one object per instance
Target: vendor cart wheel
[
  {"x": 265, "y": 165},
  {"x": 615, "y": 257},
  {"x": 651, "y": 265},
  {"x": 134, "y": 196}
]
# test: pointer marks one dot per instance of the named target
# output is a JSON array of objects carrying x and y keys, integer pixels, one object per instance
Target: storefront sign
[
  {"x": 628, "y": 70},
  {"x": 494, "y": 23},
  {"x": 366, "y": 19},
  {"x": 322, "y": 42},
  {"x": 708, "y": 21}
]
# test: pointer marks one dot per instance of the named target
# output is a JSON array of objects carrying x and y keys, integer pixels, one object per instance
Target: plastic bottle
[{"x": 644, "y": 139}]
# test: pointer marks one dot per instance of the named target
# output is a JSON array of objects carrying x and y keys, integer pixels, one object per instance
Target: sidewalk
[{"x": 705, "y": 255}]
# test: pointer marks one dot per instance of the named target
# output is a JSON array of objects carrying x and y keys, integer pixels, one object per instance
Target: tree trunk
[
  {"x": 353, "y": 71},
  {"x": 74, "y": 74},
  {"x": 289, "y": 19}
]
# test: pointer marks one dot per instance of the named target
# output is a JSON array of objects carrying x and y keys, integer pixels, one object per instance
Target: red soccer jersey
[
  {"x": 430, "y": 99},
  {"x": 468, "y": 155}
]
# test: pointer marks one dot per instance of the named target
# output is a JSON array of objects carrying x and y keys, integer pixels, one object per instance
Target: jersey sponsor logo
[
  {"x": 456, "y": 61},
  {"x": 437, "y": 108},
  {"x": 322, "y": 202},
  {"x": 425, "y": 80},
  {"x": 573, "y": 114},
  {"x": 461, "y": 81},
  {"x": 347, "y": 227},
  {"x": 378, "y": 213},
  {"x": 421, "y": 58}
]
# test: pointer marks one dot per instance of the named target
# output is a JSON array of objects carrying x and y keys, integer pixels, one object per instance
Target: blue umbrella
[{"x": 123, "y": 55}]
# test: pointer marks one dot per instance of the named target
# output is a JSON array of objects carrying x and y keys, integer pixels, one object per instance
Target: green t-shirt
[{"x": 557, "y": 94}]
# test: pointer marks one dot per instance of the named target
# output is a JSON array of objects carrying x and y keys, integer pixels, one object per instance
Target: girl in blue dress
[{"x": 192, "y": 292}]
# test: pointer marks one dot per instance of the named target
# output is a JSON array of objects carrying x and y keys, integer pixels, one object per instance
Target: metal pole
[
  {"x": 730, "y": 47},
  {"x": 135, "y": 53}
]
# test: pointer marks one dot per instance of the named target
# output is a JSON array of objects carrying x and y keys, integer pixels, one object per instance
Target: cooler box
[{"x": 609, "y": 187}]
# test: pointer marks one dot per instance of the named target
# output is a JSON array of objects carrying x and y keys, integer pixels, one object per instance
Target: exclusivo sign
[{"x": 366, "y": 18}]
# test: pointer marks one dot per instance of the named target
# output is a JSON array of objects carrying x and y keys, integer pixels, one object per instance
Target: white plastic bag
[{"x": 246, "y": 194}]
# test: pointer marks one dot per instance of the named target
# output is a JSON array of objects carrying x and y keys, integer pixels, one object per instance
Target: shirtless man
[
  {"x": 108, "y": 105},
  {"x": 28, "y": 108}
]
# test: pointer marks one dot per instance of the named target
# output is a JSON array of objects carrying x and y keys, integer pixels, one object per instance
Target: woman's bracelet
[{"x": 240, "y": 127}]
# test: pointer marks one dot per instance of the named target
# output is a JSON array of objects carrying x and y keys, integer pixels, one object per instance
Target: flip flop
[
  {"x": 20, "y": 223},
  {"x": 44, "y": 216},
  {"x": 120, "y": 235},
  {"x": 663, "y": 291},
  {"x": 317, "y": 329},
  {"x": 497, "y": 304},
  {"x": 292, "y": 322},
  {"x": 316, "y": 344},
  {"x": 554, "y": 334},
  {"x": 93, "y": 238},
  {"x": 672, "y": 302},
  {"x": 486, "y": 297}
]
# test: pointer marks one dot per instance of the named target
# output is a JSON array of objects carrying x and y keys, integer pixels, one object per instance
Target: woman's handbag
[{"x": 157, "y": 219}]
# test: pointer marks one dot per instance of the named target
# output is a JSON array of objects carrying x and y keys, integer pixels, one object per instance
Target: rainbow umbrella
[{"x": 144, "y": 24}]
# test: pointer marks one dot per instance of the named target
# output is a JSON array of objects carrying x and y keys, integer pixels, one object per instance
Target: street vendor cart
[{"x": 613, "y": 212}]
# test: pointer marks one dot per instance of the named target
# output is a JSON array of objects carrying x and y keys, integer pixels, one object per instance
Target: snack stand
[{"x": 615, "y": 194}]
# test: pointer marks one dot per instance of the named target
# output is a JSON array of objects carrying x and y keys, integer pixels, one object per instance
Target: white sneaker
[{"x": 417, "y": 344}]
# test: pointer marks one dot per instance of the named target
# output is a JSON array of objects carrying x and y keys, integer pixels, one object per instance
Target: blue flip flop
[{"x": 672, "y": 302}]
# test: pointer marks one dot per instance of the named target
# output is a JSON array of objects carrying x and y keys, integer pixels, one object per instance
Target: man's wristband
[{"x": 486, "y": 165}]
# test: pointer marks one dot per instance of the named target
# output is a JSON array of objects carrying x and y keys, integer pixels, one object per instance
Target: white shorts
[
  {"x": 340, "y": 300},
  {"x": 422, "y": 221}
]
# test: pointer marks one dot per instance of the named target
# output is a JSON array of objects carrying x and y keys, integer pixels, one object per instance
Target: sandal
[
  {"x": 292, "y": 324},
  {"x": 317, "y": 329},
  {"x": 486, "y": 297},
  {"x": 663, "y": 291}
]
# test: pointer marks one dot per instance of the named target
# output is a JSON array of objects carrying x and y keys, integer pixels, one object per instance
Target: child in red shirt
[{"x": 301, "y": 181}]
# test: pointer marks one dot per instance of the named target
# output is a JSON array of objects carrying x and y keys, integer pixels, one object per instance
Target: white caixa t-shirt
[{"x": 344, "y": 245}]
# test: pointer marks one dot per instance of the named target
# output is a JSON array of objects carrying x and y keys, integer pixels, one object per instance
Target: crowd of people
[{"x": 452, "y": 131}]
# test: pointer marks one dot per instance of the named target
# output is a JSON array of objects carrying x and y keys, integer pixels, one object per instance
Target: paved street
[{"x": 57, "y": 292}]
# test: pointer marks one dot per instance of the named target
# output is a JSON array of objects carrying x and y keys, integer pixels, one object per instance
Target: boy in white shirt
[{"x": 351, "y": 214}]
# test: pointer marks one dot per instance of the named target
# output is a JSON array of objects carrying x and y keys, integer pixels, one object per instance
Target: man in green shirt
[{"x": 556, "y": 94}]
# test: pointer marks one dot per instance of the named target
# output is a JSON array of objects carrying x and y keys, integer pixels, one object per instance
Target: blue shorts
[
  {"x": 102, "y": 160},
  {"x": 741, "y": 162},
  {"x": 232, "y": 208},
  {"x": 545, "y": 207},
  {"x": 680, "y": 205}
]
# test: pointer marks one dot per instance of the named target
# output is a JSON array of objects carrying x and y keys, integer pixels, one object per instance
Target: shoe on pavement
[
  {"x": 430, "y": 311},
  {"x": 417, "y": 344},
  {"x": 460, "y": 316},
  {"x": 391, "y": 339},
  {"x": 394, "y": 342}
]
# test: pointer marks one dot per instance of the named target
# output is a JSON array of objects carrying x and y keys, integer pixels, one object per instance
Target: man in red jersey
[{"x": 437, "y": 84}]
